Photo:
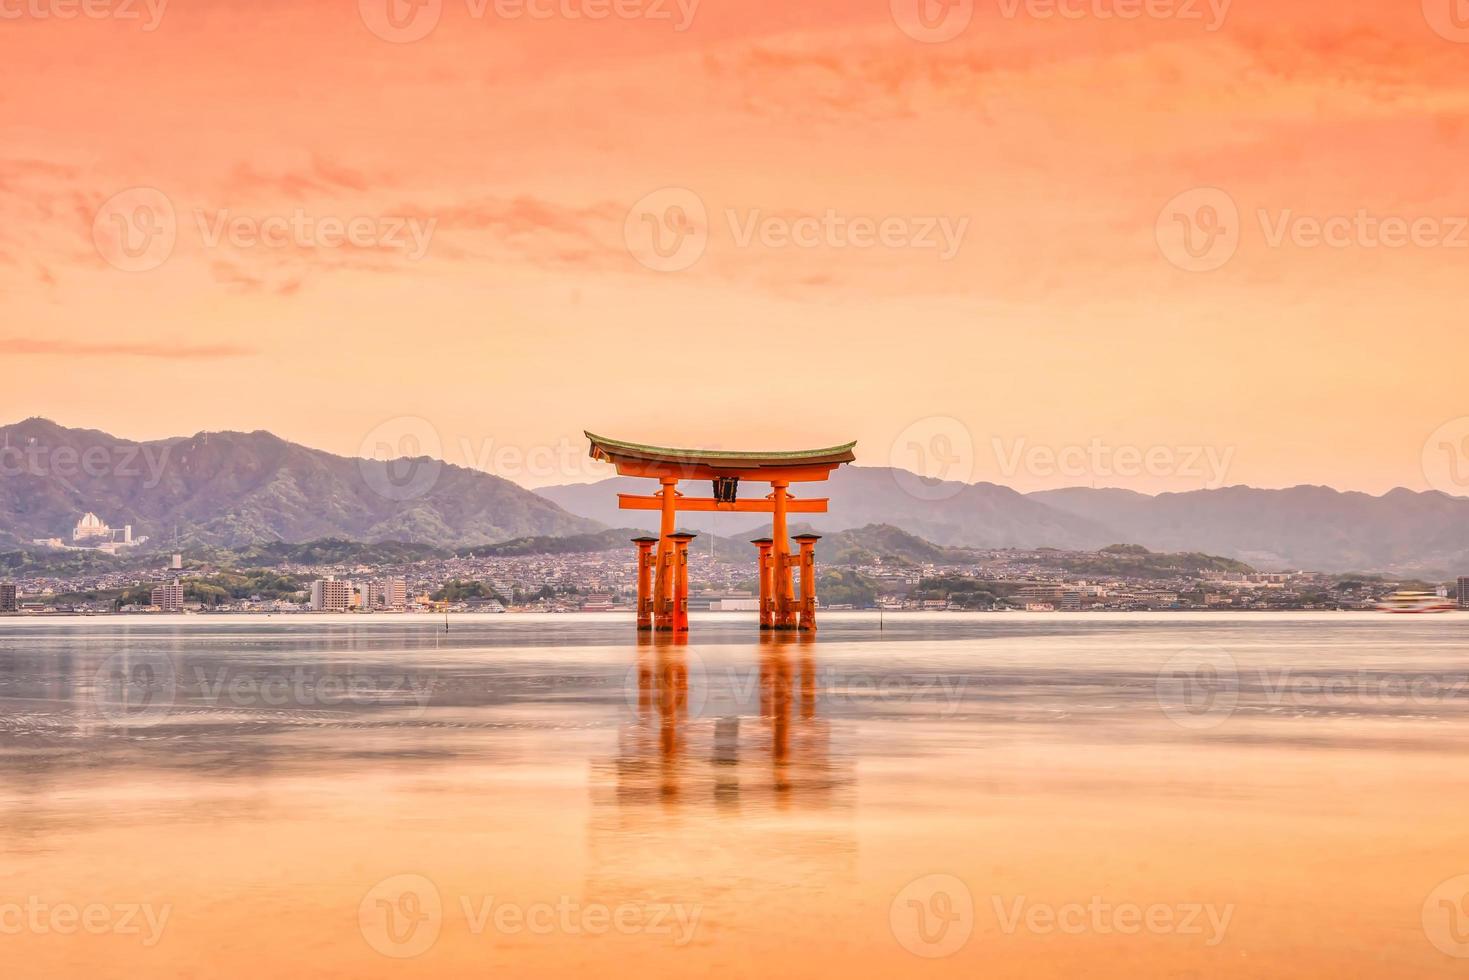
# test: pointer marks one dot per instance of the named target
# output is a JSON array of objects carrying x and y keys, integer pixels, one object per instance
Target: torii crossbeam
[{"x": 667, "y": 607}]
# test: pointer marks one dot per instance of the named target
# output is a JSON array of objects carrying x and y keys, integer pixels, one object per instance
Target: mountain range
[
  {"x": 231, "y": 489},
  {"x": 237, "y": 489},
  {"x": 1305, "y": 527}
]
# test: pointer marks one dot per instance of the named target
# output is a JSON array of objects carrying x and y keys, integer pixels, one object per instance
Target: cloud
[{"x": 167, "y": 352}]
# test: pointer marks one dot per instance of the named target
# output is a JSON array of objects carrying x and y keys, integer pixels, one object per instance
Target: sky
[{"x": 1156, "y": 244}]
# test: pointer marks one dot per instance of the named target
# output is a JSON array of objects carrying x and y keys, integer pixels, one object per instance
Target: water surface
[{"x": 946, "y": 795}]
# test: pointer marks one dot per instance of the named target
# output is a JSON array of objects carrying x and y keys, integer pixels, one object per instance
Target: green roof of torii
[{"x": 610, "y": 449}]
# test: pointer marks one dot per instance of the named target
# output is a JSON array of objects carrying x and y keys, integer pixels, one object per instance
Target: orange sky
[{"x": 520, "y": 137}]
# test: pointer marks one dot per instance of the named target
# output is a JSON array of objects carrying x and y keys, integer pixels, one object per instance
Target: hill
[{"x": 233, "y": 489}]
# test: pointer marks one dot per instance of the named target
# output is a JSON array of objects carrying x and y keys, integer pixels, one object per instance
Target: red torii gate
[{"x": 667, "y": 607}]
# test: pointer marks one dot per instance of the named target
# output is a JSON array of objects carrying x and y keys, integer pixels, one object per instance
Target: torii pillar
[
  {"x": 663, "y": 577},
  {"x": 767, "y": 606},
  {"x": 680, "y": 623},
  {"x": 645, "y": 581},
  {"x": 807, "y": 543}
]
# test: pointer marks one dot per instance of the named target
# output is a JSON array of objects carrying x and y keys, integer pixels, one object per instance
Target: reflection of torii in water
[
  {"x": 724, "y": 771},
  {"x": 678, "y": 754},
  {"x": 665, "y": 606}
]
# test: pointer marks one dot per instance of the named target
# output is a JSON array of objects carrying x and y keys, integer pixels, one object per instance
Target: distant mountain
[
  {"x": 980, "y": 515},
  {"x": 1303, "y": 527},
  {"x": 240, "y": 488}
]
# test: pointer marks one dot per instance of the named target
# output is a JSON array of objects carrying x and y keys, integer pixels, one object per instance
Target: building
[
  {"x": 394, "y": 593},
  {"x": 331, "y": 595},
  {"x": 9, "y": 598},
  {"x": 93, "y": 532},
  {"x": 1464, "y": 591},
  {"x": 91, "y": 527},
  {"x": 169, "y": 596}
]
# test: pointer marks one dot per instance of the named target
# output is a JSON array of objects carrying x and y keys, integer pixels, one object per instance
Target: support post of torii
[
  {"x": 681, "y": 541},
  {"x": 807, "y": 543},
  {"x": 663, "y": 575},
  {"x": 645, "y": 581},
  {"x": 767, "y": 604}
]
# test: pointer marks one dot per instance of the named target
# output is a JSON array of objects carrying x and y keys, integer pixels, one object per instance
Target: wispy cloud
[{"x": 168, "y": 352}]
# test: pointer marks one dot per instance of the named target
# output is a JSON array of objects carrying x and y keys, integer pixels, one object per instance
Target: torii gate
[{"x": 667, "y": 607}]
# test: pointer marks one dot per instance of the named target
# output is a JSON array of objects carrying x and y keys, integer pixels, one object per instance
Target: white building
[
  {"x": 169, "y": 596},
  {"x": 331, "y": 595}
]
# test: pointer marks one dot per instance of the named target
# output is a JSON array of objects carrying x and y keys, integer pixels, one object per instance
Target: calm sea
[{"x": 947, "y": 795}]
